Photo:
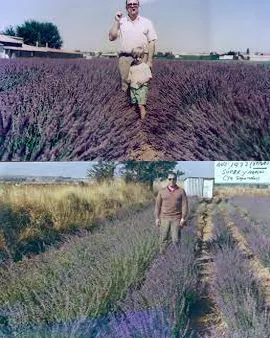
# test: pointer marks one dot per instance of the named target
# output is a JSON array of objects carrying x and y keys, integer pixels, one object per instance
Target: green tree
[
  {"x": 41, "y": 32},
  {"x": 159, "y": 54},
  {"x": 102, "y": 171},
  {"x": 169, "y": 55},
  {"x": 146, "y": 171},
  {"x": 9, "y": 31}
]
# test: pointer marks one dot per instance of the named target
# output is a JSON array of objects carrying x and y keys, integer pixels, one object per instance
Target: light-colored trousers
[
  {"x": 124, "y": 66},
  {"x": 169, "y": 228}
]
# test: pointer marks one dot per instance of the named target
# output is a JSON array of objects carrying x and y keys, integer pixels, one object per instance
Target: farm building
[
  {"x": 226, "y": 57},
  {"x": 13, "y": 47},
  {"x": 262, "y": 57},
  {"x": 199, "y": 186},
  {"x": 109, "y": 54}
]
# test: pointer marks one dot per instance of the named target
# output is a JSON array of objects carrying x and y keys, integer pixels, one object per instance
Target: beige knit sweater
[{"x": 171, "y": 204}]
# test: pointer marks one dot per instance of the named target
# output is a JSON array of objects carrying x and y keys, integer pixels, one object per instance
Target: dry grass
[
  {"x": 31, "y": 213},
  {"x": 226, "y": 191}
]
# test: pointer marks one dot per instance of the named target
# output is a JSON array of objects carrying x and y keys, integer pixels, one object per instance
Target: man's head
[
  {"x": 172, "y": 179},
  {"x": 138, "y": 53},
  {"x": 132, "y": 7}
]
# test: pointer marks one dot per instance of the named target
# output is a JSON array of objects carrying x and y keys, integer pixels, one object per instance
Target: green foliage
[
  {"x": 9, "y": 31},
  {"x": 43, "y": 32},
  {"x": 146, "y": 171},
  {"x": 102, "y": 171},
  {"x": 169, "y": 55}
]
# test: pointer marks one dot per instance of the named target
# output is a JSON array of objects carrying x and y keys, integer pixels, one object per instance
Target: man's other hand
[
  {"x": 157, "y": 222},
  {"x": 182, "y": 223}
]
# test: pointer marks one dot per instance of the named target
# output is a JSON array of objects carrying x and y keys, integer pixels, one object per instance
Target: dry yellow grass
[
  {"x": 241, "y": 191},
  {"x": 35, "y": 212}
]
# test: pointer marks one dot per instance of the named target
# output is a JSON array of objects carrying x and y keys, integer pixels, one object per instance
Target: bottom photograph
[{"x": 135, "y": 249}]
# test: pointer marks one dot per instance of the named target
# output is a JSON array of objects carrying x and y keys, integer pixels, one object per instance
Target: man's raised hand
[{"x": 118, "y": 16}]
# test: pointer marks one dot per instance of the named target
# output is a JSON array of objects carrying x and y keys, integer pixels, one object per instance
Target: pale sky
[
  {"x": 79, "y": 169},
  {"x": 182, "y": 26}
]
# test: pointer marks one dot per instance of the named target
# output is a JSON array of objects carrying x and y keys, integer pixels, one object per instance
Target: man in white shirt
[{"x": 133, "y": 31}]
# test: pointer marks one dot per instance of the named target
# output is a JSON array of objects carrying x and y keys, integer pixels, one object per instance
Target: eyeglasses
[
  {"x": 133, "y": 4},
  {"x": 172, "y": 179}
]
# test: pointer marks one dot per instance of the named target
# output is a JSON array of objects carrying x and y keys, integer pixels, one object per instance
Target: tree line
[
  {"x": 145, "y": 172},
  {"x": 33, "y": 32}
]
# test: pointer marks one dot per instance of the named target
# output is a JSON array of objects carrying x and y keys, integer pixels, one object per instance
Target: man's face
[
  {"x": 172, "y": 180},
  {"x": 133, "y": 7}
]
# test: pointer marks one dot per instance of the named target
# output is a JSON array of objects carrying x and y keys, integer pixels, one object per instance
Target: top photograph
[{"x": 134, "y": 80}]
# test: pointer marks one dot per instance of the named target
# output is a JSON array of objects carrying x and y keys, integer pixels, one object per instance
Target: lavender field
[
  {"x": 75, "y": 110},
  {"x": 115, "y": 283}
]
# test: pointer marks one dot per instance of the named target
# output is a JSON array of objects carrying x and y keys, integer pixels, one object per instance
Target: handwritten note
[{"x": 257, "y": 172}]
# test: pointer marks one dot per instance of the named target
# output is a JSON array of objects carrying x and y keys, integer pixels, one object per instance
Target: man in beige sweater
[{"x": 171, "y": 212}]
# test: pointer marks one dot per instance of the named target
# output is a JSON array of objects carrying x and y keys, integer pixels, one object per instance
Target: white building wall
[
  {"x": 226, "y": 57},
  {"x": 194, "y": 186},
  {"x": 208, "y": 188},
  {"x": 259, "y": 57},
  {"x": 198, "y": 186},
  {"x": 2, "y": 52}
]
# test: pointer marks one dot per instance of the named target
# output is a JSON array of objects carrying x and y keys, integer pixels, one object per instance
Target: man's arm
[
  {"x": 113, "y": 34},
  {"x": 158, "y": 207},
  {"x": 152, "y": 37},
  {"x": 151, "y": 52},
  {"x": 184, "y": 205}
]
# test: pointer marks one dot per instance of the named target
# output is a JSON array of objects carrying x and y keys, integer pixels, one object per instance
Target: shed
[{"x": 199, "y": 186}]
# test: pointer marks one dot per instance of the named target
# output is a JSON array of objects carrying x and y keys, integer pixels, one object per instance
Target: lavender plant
[
  {"x": 239, "y": 294},
  {"x": 97, "y": 285},
  {"x": 83, "y": 278},
  {"x": 257, "y": 234},
  {"x": 74, "y": 110},
  {"x": 255, "y": 206}
]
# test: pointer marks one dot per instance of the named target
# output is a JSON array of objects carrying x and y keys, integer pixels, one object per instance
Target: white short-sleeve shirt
[
  {"x": 135, "y": 33},
  {"x": 139, "y": 73}
]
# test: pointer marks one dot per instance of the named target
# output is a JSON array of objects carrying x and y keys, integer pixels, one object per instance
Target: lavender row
[
  {"x": 238, "y": 292},
  {"x": 159, "y": 309},
  {"x": 74, "y": 110},
  {"x": 257, "y": 235},
  {"x": 167, "y": 286},
  {"x": 81, "y": 279},
  {"x": 257, "y": 207}
]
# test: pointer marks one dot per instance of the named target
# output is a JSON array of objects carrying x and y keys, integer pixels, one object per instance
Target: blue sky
[
  {"x": 79, "y": 169},
  {"x": 192, "y": 26}
]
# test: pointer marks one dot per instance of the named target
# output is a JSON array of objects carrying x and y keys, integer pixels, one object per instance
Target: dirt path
[
  {"x": 206, "y": 314},
  {"x": 142, "y": 150}
]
